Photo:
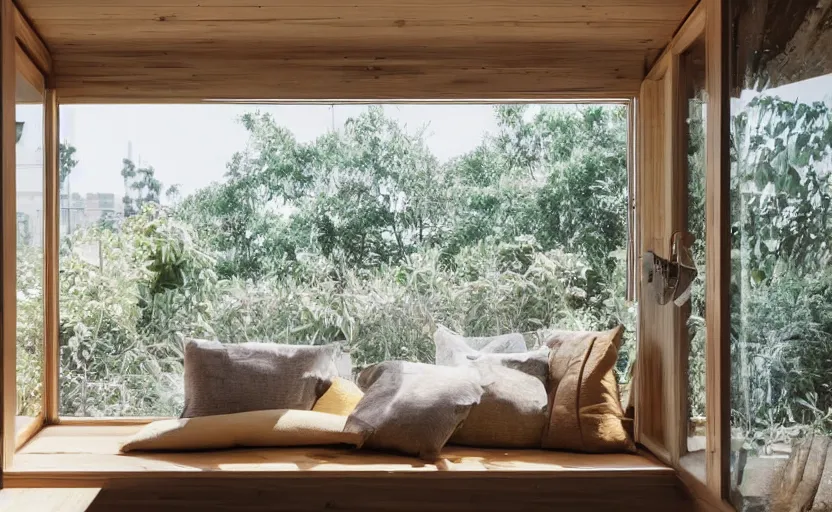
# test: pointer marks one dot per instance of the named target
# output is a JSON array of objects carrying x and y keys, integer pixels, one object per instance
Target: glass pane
[
  {"x": 30, "y": 237},
  {"x": 781, "y": 283},
  {"x": 361, "y": 224},
  {"x": 693, "y": 81}
]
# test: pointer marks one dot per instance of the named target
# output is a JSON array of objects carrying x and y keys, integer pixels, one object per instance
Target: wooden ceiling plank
[
  {"x": 191, "y": 50},
  {"x": 359, "y": 12}
]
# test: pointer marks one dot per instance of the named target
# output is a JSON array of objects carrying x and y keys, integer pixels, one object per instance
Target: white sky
[{"x": 190, "y": 145}]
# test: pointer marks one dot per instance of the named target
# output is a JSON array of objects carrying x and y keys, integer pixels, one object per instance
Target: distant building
[
  {"x": 29, "y": 175},
  {"x": 76, "y": 210},
  {"x": 80, "y": 212}
]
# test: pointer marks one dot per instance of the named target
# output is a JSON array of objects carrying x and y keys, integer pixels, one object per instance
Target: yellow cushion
[
  {"x": 279, "y": 427},
  {"x": 585, "y": 411},
  {"x": 341, "y": 398}
]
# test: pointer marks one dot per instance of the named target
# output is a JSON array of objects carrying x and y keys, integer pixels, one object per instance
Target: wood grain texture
[
  {"x": 321, "y": 478},
  {"x": 656, "y": 405},
  {"x": 190, "y": 50},
  {"x": 676, "y": 194},
  {"x": 51, "y": 215},
  {"x": 797, "y": 486},
  {"x": 717, "y": 252},
  {"x": 425, "y": 71},
  {"x": 703, "y": 499},
  {"x": 408, "y": 493},
  {"x": 8, "y": 224},
  {"x": 638, "y": 24},
  {"x": 46, "y": 500},
  {"x": 31, "y": 42},
  {"x": 25, "y": 68},
  {"x": 87, "y": 456}
]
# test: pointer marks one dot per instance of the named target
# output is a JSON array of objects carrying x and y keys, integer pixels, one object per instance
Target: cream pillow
[
  {"x": 279, "y": 427},
  {"x": 341, "y": 398}
]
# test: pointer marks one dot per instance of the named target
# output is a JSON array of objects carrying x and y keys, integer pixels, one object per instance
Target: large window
[
  {"x": 366, "y": 225},
  {"x": 29, "y": 181},
  {"x": 781, "y": 285}
]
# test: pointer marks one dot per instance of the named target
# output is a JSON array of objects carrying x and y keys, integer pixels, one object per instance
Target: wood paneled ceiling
[{"x": 189, "y": 50}]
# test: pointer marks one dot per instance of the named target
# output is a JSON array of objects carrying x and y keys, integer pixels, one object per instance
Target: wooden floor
[{"x": 319, "y": 478}]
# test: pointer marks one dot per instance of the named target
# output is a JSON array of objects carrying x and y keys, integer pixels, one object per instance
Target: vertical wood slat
[
  {"x": 8, "y": 228},
  {"x": 717, "y": 251},
  {"x": 656, "y": 386},
  {"x": 676, "y": 210},
  {"x": 631, "y": 201},
  {"x": 51, "y": 208}
]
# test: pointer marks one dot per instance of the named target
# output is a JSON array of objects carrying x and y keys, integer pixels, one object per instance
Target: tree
[
  {"x": 140, "y": 187},
  {"x": 66, "y": 161}
]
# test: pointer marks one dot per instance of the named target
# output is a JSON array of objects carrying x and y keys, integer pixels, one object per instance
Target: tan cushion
[
  {"x": 254, "y": 428},
  {"x": 341, "y": 398},
  {"x": 413, "y": 408},
  {"x": 230, "y": 378},
  {"x": 585, "y": 410},
  {"x": 453, "y": 349},
  {"x": 513, "y": 412}
]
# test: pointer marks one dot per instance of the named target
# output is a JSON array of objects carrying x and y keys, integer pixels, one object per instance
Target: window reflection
[
  {"x": 30, "y": 237},
  {"x": 781, "y": 283}
]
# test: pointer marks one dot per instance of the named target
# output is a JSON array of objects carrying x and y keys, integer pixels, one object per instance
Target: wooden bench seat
[{"x": 87, "y": 456}]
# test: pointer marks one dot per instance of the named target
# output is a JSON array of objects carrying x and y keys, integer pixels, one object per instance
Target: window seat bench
[{"x": 481, "y": 479}]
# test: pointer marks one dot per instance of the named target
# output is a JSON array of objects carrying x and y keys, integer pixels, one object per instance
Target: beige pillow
[
  {"x": 341, "y": 398},
  {"x": 231, "y": 378},
  {"x": 513, "y": 412},
  {"x": 413, "y": 408},
  {"x": 586, "y": 413},
  {"x": 253, "y": 428}
]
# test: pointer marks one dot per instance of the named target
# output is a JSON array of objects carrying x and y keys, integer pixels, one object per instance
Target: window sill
[{"x": 87, "y": 456}]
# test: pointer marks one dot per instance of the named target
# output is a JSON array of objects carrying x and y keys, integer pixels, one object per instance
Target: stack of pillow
[{"x": 486, "y": 392}]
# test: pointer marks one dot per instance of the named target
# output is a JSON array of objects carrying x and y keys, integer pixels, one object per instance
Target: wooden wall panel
[
  {"x": 718, "y": 251},
  {"x": 656, "y": 364},
  {"x": 8, "y": 228},
  {"x": 529, "y": 71}
]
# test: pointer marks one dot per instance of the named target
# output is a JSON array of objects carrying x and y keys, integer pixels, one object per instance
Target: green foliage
[
  {"x": 781, "y": 328},
  {"x": 361, "y": 236},
  {"x": 66, "y": 161},
  {"x": 140, "y": 187},
  {"x": 29, "y": 330}
]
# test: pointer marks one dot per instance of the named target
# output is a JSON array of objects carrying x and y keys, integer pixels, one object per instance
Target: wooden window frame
[
  {"x": 668, "y": 364},
  {"x": 33, "y": 51},
  {"x": 24, "y": 52}
]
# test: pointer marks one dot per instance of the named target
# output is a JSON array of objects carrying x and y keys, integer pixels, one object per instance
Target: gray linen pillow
[
  {"x": 412, "y": 408},
  {"x": 452, "y": 349},
  {"x": 231, "y": 378},
  {"x": 513, "y": 412}
]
